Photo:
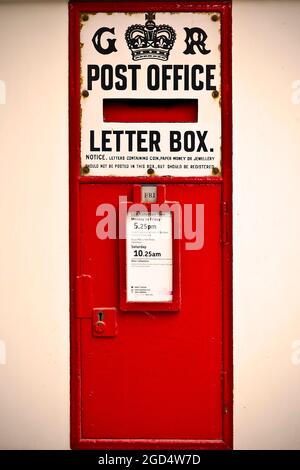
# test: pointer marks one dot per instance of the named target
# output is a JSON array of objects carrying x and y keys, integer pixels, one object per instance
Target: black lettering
[
  {"x": 189, "y": 141},
  {"x": 130, "y": 135},
  {"x": 154, "y": 140},
  {"x": 165, "y": 76},
  {"x": 195, "y": 37},
  {"x": 92, "y": 142},
  {"x": 93, "y": 75},
  {"x": 118, "y": 139},
  {"x": 209, "y": 77},
  {"x": 106, "y": 141},
  {"x": 177, "y": 76},
  {"x": 202, "y": 145},
  {"x": 175, "y": 141},
  {"x": 106, "y": 77},
  {"x": 110, "y": 42},
  {"x": 140, "y": 141},
  {"x": 186, "y": 77},
  {"x": 134, "y": 68},
  {"x": 197, "y": 85},
  {"x": 153, "y": 84},
  {"x": 122, "y": 84}
]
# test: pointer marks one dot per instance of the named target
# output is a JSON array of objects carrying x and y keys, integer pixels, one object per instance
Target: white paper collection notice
[{"x": 149, "y": 254}]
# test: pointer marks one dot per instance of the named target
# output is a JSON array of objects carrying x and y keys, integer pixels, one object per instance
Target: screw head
[
  {"x": 215, "y": 17},
  {"x": 215, "y": 94},
  {"x": 85, "y": 17},
  {"x": 150, "y": 171},
  {"x": 85, "y": 93}
]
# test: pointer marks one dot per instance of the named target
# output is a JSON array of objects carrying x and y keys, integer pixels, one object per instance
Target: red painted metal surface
[{"x": 165, "y": 380}]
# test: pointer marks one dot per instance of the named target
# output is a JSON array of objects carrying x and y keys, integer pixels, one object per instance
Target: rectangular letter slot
[{"x": 146, "y": 110}]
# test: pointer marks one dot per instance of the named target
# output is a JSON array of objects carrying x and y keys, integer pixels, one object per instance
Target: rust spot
[
  {"x": 215, "y": 171},
  {"x": 85, "y": 170},
  {"x": 215, "y": 94}
]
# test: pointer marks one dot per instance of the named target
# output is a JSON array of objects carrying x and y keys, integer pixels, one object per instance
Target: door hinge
[{"x": 84, "y": 296}]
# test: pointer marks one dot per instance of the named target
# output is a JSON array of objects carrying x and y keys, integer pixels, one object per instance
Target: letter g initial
[{"x": 110, "y": 42}]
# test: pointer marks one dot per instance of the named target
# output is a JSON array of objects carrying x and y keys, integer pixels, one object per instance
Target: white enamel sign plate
[
  {"x": 149, "y": 257},
  {"x": 137, "y": 56}
]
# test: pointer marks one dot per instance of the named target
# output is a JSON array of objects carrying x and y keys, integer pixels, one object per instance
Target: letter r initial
[{"x": 195, "y": 37}]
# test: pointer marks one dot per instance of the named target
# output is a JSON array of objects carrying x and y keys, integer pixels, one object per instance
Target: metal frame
[{"x": 75, "y": 9}]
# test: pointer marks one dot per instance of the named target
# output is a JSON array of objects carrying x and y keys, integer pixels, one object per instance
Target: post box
[{"x": 150, "y": 225}]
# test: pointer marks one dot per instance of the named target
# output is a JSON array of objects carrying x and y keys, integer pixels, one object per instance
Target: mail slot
[{"x": 150, "y": 225}]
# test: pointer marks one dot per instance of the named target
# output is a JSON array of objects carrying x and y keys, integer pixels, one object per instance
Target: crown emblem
[{"x": 150, "y": 41}]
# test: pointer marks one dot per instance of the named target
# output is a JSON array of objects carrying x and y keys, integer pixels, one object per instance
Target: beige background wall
[
  {"x": 34, "y": 324},
  {"x": 34, "y": 334},
  {"x": 266, "y": 38}
]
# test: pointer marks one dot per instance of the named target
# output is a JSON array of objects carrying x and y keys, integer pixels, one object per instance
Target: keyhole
[{"x": 100, "y": 316}]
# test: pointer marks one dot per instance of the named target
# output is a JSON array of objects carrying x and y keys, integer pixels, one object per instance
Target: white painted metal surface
[{"x": 151, "y": 78}]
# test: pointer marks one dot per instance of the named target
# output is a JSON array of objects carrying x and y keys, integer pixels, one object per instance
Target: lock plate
[{"x": 104, "y": 322}]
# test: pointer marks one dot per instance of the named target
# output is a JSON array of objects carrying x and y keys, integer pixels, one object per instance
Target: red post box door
[{"x": 151, "y": 348}]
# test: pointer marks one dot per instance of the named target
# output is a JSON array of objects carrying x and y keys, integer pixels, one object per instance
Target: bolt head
[
  {"x": 85, "y": 170},
  {"x": 215, "y": 17}
]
